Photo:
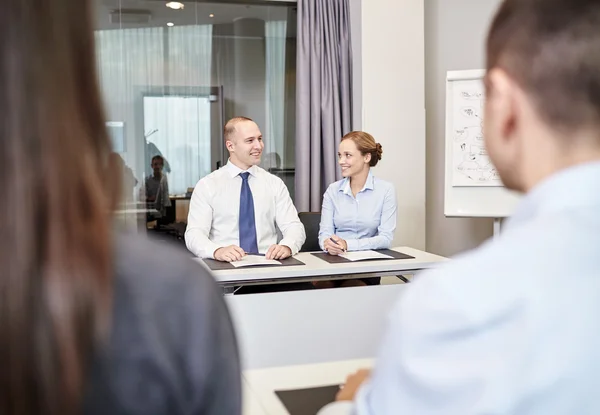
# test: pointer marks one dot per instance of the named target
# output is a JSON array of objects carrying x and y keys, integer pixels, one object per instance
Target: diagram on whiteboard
[{"x": 471, "y": 164}]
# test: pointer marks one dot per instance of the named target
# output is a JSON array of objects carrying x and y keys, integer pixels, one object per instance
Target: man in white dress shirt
[
  {"x": 513, "y": 327},
  {"x": 242, "y": 204}
]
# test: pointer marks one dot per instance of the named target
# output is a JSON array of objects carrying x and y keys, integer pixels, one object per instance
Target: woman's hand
[{"x": 334, "y": 245}]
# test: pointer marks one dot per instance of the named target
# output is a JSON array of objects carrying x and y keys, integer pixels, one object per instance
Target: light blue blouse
[{"x": 366, "y": 221}]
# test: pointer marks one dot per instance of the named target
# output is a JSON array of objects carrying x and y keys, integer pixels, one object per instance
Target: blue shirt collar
[
  {"x": 575, "y": 186},
  {"x": 369, "y": 185}
]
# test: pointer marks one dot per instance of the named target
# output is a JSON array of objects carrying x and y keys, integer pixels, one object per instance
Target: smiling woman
[
  {"x": 358, "y": 151},
  {"x": 359, "y": 211}
]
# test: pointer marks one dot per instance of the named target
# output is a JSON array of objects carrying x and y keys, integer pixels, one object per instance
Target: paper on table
[
  {"x": 362, "y": 255},
  {"x": 250, "y": 260}
]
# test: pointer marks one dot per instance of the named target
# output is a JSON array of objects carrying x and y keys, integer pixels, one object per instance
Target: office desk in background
[
  {"x": 181, "y": 207},
  {"x": 136, "y": 211},
  {"x": 260, "y": 385}
]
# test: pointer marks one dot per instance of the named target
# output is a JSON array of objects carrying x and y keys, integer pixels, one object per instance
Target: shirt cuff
[
  {"x": 290, "y": 244},
  {"x": 337, "y": 408},
  {"x": 208, "y": 251},
  {"x": 352, "y": 245}
]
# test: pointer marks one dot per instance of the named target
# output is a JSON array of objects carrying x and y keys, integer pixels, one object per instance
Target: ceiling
[{"x": 193, "y": 13}]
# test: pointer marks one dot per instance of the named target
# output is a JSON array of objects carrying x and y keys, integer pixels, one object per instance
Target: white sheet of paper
[
  {"x": 362, "y": 255},
  {"x": 251, "y": 260}
]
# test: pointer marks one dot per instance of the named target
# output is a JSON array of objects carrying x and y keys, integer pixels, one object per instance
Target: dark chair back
[{"x": 311, "y": 221}]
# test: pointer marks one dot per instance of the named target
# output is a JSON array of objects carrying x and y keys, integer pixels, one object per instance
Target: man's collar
[{"x": 234, "y": 170}]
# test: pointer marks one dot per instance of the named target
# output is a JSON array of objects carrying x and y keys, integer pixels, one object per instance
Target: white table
[
  {"x": 315, "y": 268},
  {"x": 315, "y": 326},
  {"x": 311, "y": 326},
  {"x": 260, "y": 385},
  {"x": 251, "y": 404}
]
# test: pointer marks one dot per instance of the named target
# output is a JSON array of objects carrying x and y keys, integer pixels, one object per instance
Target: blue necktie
[{"x": 247, "y": 222}]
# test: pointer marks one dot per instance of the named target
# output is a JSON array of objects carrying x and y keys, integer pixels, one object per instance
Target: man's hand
[
  {"x": 335, "y": 249},
  {"x": 278, "y": 252},
  {"x": 348, "y": 390},
  {"x": 229, "y": 253}
]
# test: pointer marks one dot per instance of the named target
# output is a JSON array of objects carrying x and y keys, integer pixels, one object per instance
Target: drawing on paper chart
[{"x": 471, "y": 164}]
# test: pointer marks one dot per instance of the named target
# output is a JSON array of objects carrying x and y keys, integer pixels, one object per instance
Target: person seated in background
[
  {"x": 359, "y": 211},
  {"x": 237, "y": 209},
  {"x": 157, "y": 189},
  {"x": 92, "y": 321},
  {"x": 464, "y": 339}
]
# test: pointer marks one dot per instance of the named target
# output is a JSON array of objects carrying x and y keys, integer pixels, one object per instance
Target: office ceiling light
[
  {"x": 170, "y": 24},
  {"x": 175, "y": 5},
  {"x": 211, "y": 15}
]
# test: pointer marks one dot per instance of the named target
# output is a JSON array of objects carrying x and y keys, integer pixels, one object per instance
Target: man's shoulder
[
  {"x": 499, "y": 272},
  {"x": 214, "y": 176},
  {"x": 488, "y": 261},
  {"x": 221, "y": 172},
  {"x": 260, "y": 172},
  {"x": 263, "y": 174},
  {"x": 462, "y": 292}
]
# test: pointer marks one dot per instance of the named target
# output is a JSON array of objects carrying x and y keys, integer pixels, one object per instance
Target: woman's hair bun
[{"x": 378, "y": 151}]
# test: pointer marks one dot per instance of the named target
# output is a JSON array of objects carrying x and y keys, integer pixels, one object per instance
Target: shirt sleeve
[
  {"x": 385, "y": 230},
  {"x": 435, "y": 359},
  {"x": 200, "y": 218},
  {"x": 326, "y": 227},
  {"x": 286, "y": 218},
  {"x": 337, "y": 408}
]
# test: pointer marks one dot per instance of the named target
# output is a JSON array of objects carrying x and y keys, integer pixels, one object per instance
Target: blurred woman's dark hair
[{"x": 55, "y": 245}]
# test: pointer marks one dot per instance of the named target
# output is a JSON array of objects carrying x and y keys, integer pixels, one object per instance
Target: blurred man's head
[
  {"x": 244, "y": 141},
  {"x": 543, "y": 88},
  {"x": 157, "y": 165}
]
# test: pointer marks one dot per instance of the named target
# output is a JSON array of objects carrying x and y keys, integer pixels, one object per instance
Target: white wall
[
  {"x": 455, "y": 32},
  {"x": 401, "y": 47},
  {"x": 393, "y": 104}
]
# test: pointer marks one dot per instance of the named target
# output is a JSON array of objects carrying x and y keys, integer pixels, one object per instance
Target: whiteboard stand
[{"x": 497, "y": 223}]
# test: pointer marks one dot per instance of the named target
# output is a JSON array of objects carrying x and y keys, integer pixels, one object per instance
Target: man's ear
[
  {"x": 502, "y": 100},
  {"x": 229, "y": 145}
]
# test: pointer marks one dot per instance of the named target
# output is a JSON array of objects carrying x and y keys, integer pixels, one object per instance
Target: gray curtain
[{"x": 323, "y": 96}]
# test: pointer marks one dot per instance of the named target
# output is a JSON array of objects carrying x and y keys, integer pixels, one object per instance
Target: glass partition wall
[{"x": 172, "y": 73}]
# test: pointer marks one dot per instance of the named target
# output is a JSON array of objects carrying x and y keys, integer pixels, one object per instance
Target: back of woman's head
[
  {"x": 366, "y": 144},
  {"x": 55, "y": 250}
]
